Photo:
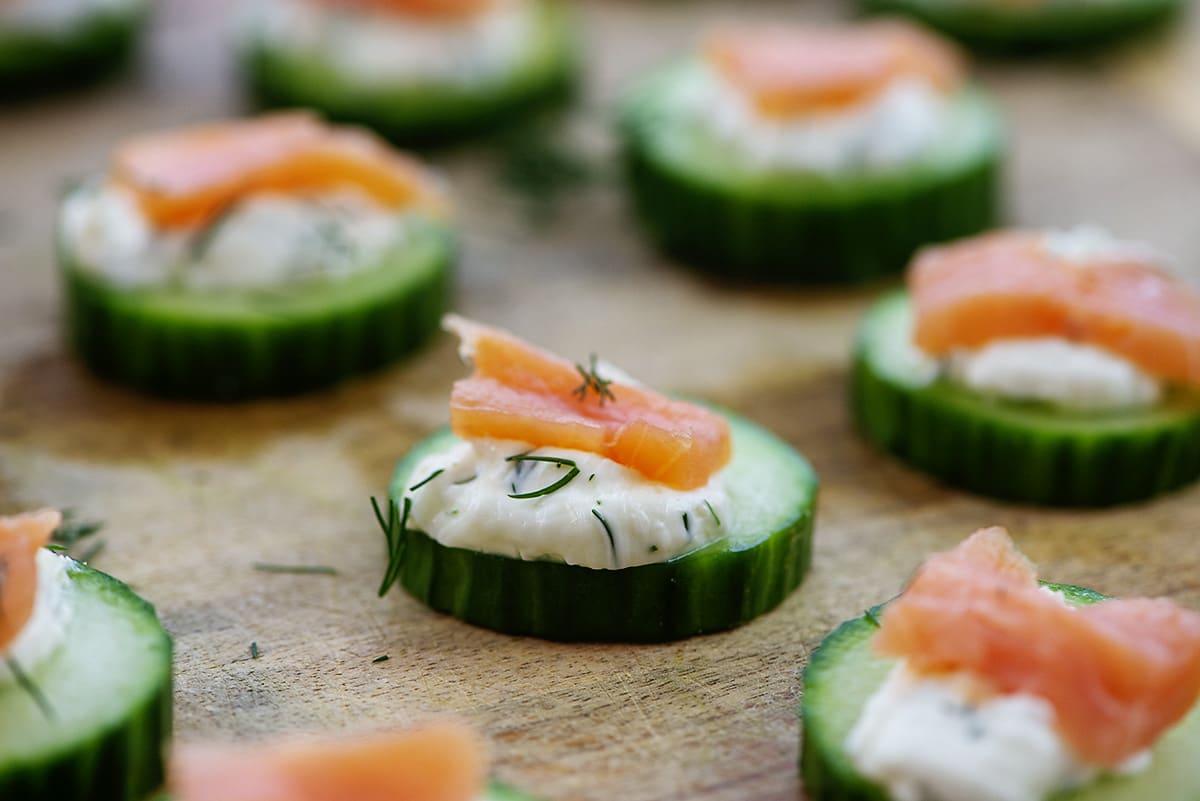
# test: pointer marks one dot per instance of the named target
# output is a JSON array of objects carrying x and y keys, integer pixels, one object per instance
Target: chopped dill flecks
[
  {"x": 466, "y": 480},
  {"x": 304, "y": 570},
  {"x": 653, "y": 549},
  {"x": 204, "y": 236},
  {"x": 612, "y": 543},
  {"x": 379, "y": 659},
  {"x": 26, "y": 683},
  {"x": 593, "y": 382},
  {"x": 872, "y": 617},
  {"x": 426, "y": 480},
  {"x": 71, "y": 530},
  {"x": 712, "y": 512},
  {"x": 557, "y": 485},
  {"x": 254, "y": 652},
  {"x": 592, "y": 477},
  {"x": 687, "y": 525},
  {"x": 395, "y": 527}
]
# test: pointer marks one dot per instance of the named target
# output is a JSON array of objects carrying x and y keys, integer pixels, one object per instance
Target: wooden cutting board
[{"x": 193, "y": 496}]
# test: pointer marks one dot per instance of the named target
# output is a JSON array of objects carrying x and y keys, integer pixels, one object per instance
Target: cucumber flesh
[
  {"x": 1020, "y": 451},
  {"x": 109, "y": 689},
  {"x": 33, "y": 62},
  {"x": 233, "y": 345},
  {"x": 844, "y": 672},
  {"x": 738, "y": 221},
  {"x": 762, "y": 557},
  {"x": 1010, "y": 28},
  {"x": 425, "y": 113}
]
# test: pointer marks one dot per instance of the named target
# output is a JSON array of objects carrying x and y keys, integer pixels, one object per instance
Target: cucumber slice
[
  {"x": 426, "y": 112},
  {"x": 1017, "y": 28},
  {"x": 746, "y": 573},
  {"x": 726, "y": 217},
  {"x": 109, "y": 690},
  {"x": 1018, "y": 451},
  {"x": 844, "y": 672},
  {"x": 232, "y": 345},
  {"x": 100, "y": 43}
]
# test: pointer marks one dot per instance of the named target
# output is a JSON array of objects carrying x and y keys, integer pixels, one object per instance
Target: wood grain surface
[{"x": 193, "y": 496}]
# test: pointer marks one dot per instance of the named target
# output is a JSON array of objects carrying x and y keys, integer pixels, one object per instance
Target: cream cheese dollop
[
  {"x": 607, "y": 517},
  {"x": 46, "y": 628},
  {"x": 893, "y": 127}
]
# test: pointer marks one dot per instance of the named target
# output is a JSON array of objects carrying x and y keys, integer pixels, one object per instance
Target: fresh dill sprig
[
  {"x": 872, "y": 616},
  {"x": 521, "y": 458},
  {"x": 593, "y": 382},
  {"x": 712, "y": 512},
  {"x": 71, "y": 530},
  {"x": 394, "y": 526},
  {"x": 466, "y": 480},
  {"x": 304, "y": 570},
  {"x": 426, "y": 480},
  {"x": 687, "y": 525},
  {"x": 26, "y": 683},
  {"x": 254, "y": 652},
  {"x": 379, "y": 659},
  {"x": 612, "y": 543}
]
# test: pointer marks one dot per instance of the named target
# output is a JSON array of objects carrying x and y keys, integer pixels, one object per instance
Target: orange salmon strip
[
  {"x": 789, "y": 71},
  {"x": 21, "y": 537},
  {"x": 1007, "y": 285},
  {"x": 520, "y": 392},
  {"x": 1117, "y": 673},
  {"x": 443, "y": 762},
  {"x": 185, "y": 178}
]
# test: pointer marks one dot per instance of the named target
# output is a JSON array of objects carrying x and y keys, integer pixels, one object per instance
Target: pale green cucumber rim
[
  {"x": 417, "y": 109},
  {"x": 77, "y": 701},
  {"x": 885, "y": 322},
  {"x": 679, "y": 146},
  {"x": 842, "y": 674},
  {"x": 428, "y": 252}
]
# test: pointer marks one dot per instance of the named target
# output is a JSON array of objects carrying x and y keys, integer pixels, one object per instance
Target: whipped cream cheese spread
[
  {"x": 46, "y": 628},
  {"x": 606, "y": 517}
]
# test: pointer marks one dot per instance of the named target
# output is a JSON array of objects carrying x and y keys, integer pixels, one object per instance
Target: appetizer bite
[
  {"x": 250, "y": 258},
  {"x": 440, "y": 762},
  {"x": 417, "y": 71},
  {"x": 1052, "y": 367},
  {"x": 979, "y": 684},
  {"x": 47, "y": 44},
  {"x": 571, "y": 502},
  {"x": 800, "y": 154},
  {"x": 85, "y": 676},
  {"x": 1033, "y": 26}
]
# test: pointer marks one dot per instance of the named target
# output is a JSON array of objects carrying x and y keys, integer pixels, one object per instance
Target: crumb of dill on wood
[
  {"x": 539, "y": 166},
  {"x": 303, "y": 570},
  {"x": 379, "y": 659}
]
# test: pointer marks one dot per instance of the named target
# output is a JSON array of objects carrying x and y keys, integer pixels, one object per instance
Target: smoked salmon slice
[
  {"x": 1117, "y": 673},
  {"x": 1008, "y": 285},
  {"x": 21, "y": 537},
  {"x": 443, "y": 762},
  {"x": 519, "y": 392},
  {"x": 185, "y": 178},
  {"x": 789, "y": 71}
]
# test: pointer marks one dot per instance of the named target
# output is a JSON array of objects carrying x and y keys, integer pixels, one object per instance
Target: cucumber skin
[
  {"x": 991, "y": 456},
  {"x": 113, "y": 765},
  {"x": 769, "y": 238},
  {"x": 213, "y": 360},
  {"x": 827, "y": 776},
  {"x": 33, "y": 64},
  {"x": 1014, "y": 31},
  {"x": 418, "y": 116},
  {"x": 688, "y": 595}
]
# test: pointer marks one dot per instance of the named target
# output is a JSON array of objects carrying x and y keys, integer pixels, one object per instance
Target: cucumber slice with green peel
[
  {"x": 844, "y": 672},
  {"x": 725, "y": 216},
  {"x": 1019, "y": 451},
  {"x": 100, "y": 43},
  {"x": 723, "y": 584},
  {"x": 108, "y": 694},
  {"x": 236, "y": 344},
  {"x": 424, "y": 112},
  {"x": 1018, "y": 28}
]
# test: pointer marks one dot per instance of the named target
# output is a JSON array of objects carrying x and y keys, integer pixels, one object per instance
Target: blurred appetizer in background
[
  {"x": 570, "y": 502},
  {"x": 417, "y": 71},
  {"x": 979, "y": 684},
  {"x": 1053, "y": 367},
  {"x": 50, "y": 44},
  {"x": 807, "y": 154},
  {"x": 85, "y": 676},
  {"x": 250, "y": 258},
  {"x": 1034, "y": 26},
  {"x": 437, "y": 762}
]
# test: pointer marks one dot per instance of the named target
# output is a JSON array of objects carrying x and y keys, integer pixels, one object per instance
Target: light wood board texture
[{"x": 193, "y": 496}]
